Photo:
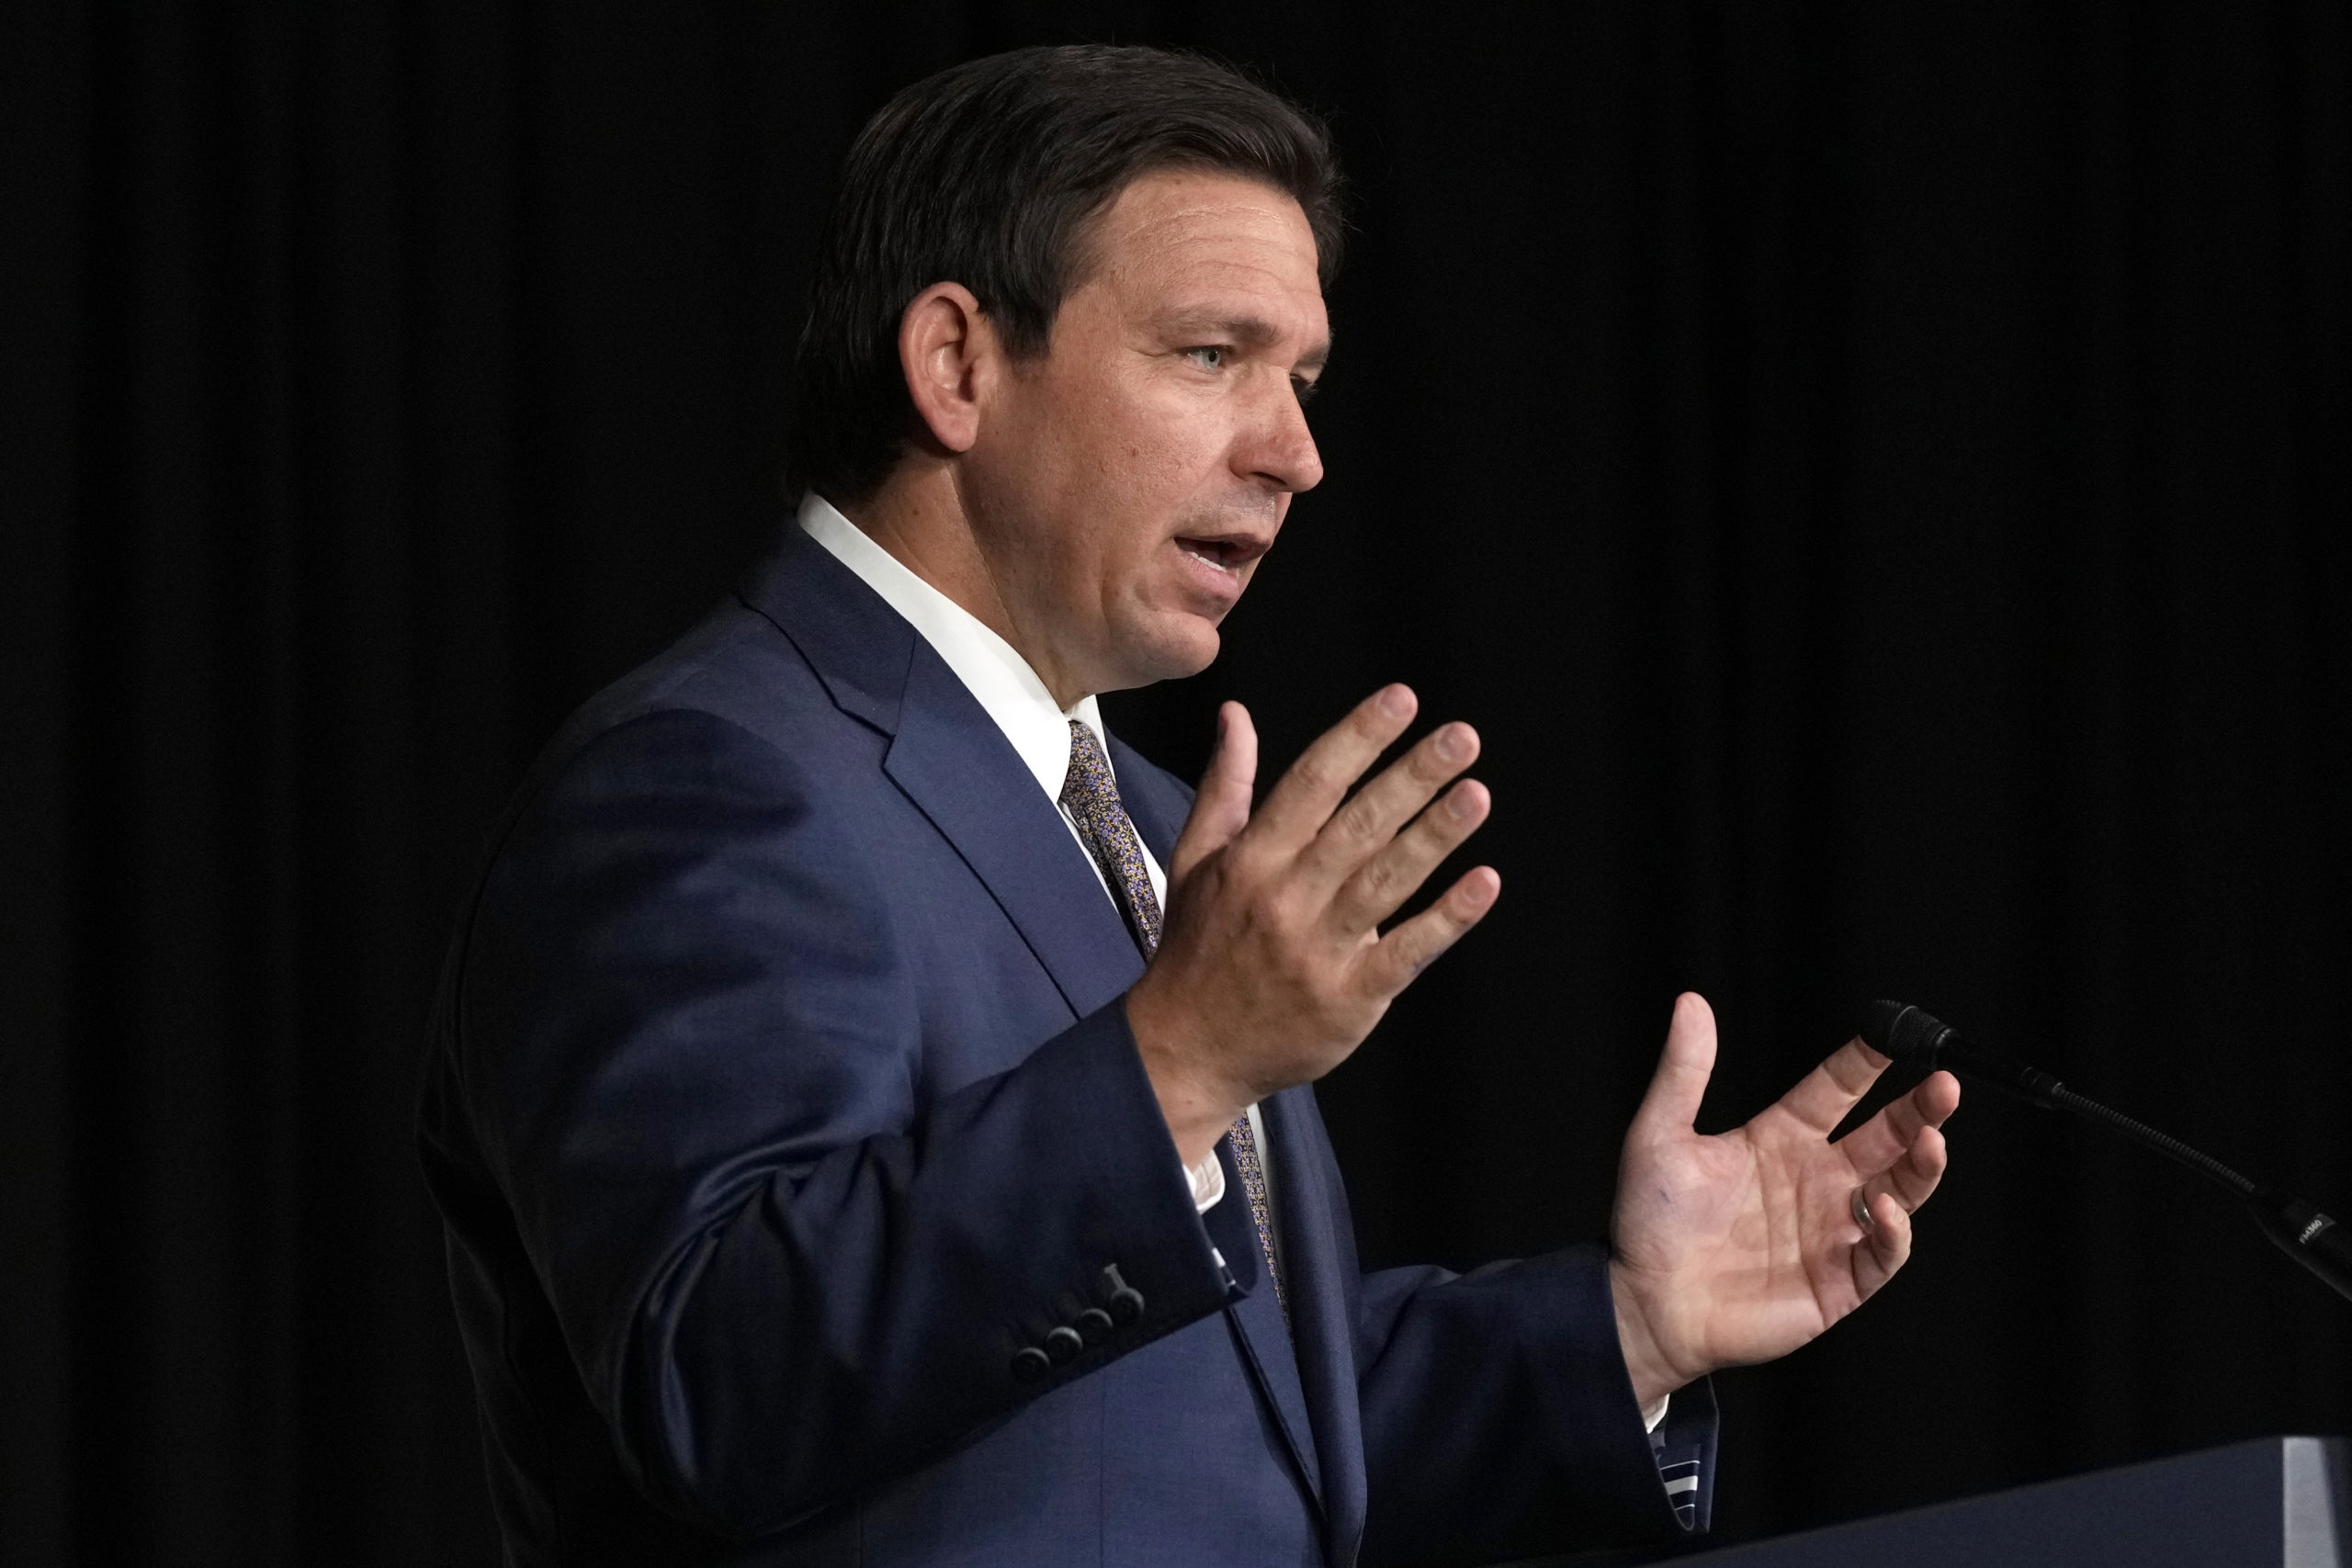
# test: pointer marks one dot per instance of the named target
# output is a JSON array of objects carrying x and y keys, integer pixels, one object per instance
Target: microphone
[{"x": 1912, "y": 1036}]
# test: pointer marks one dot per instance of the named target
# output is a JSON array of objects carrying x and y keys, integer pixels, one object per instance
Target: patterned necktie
[{"x": 1090, "y": 796}]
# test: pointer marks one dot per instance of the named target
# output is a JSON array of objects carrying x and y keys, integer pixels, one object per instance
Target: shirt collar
[{"x": 1007, "y": 688}]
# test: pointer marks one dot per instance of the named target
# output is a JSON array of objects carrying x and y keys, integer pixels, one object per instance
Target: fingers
[
  {"x": 1886, "y": 1203},
  {"x": 1881, "y": 1140},
  {"x": 1298, "y": 805},
  {"x": 1912, "y": 1180},
  {"x": 1221, "y": 808},
  {"x": 1416, "y": 944},
  {"x": 1911, "y": 1177},
  {"x": 1822, "y": 1096},
  {"x": 1383, "y": 882},
  {"x": 1671, "y": 1104},
  {"x": 1373, "y": 853},
  {"x": 1884, "y": 1247},
  {"x": 1367, "y": 825}
]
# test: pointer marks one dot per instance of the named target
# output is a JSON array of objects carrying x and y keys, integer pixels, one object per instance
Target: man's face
[{"x": 1123, "y": 485}]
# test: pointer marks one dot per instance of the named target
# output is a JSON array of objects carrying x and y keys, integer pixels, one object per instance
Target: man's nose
[{"x": 1282, "y": 450}]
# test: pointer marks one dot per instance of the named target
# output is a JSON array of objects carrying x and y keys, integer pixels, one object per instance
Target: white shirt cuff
[{"x": 1207, "y": 1181}]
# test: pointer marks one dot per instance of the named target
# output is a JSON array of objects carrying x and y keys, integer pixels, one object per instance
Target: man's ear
[{"x": 948, "y": 351}]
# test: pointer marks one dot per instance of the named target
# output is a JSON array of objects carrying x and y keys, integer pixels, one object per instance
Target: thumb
[
  {"x": 1683, "y": 1068},
  {"x": 1221, "y": 809}
]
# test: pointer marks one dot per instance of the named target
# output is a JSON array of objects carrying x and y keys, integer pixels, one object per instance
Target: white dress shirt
[{"x": 1010, "y": 693}]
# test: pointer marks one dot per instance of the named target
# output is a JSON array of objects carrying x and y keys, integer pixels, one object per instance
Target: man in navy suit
[{"x": 870, "y": 1106}]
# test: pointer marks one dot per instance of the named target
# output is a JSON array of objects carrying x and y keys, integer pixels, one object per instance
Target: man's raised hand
[
  {"x": 1272, "y": 966},
  {"x": 1740, "y": 1248}
]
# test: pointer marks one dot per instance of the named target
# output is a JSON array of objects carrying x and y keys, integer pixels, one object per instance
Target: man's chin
[{"x": 1174, "y": 648}]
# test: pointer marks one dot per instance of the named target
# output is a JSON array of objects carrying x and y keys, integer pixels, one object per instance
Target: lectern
[{"x": 2272, "y": 1503}]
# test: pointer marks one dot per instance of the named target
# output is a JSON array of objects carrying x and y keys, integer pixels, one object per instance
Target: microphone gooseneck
[
  {"x": 2089, "y": 1109},
  {"x": 1908, "y": 1034}
]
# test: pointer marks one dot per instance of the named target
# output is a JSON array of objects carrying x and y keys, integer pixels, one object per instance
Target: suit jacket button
[
  {"x": 1030, "y": 1365},
  {"x": 1062, "y": 1345},
  {"x": 1093, "y": 1325},
  {"x": 1126, "y": 1302}
]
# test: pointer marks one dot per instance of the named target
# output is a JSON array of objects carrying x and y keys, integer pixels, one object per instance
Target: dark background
[{"x": 1876, "y": 474}]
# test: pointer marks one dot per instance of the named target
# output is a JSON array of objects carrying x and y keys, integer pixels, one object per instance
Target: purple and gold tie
[{"x": 1090, "y": 796}]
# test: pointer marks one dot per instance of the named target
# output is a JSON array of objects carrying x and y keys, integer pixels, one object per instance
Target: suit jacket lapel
[
  {"x": 956, "y": 764},
  {"x": 1321, "y": 1335},
  {"x": 951, "y": 760},
  {"x": 1321, "y": 1342},
  {"x": 858, "y": 646},
  {"x": 1257, "y": 1320}
]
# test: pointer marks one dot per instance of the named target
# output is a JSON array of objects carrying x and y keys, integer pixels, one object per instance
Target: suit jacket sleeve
[
  {"x": 1499, "y": 1421},
  {"x": 686, "y": 1040},
  {"x": 1497, "y": 1418}
]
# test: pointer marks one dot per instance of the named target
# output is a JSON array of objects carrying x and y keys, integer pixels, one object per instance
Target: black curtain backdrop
[{"x": 1876, "y": 474}]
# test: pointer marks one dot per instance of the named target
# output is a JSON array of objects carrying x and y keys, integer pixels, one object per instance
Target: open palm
[{"x": 1743, "y": 1246}]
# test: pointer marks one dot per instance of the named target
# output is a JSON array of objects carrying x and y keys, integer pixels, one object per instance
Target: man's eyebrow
[{"x": 1250, "y": 332}]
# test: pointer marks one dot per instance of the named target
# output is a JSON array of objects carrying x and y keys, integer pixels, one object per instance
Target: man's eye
[
  {"x": 1206, "y": 358},
  {"x": 1302, "y": 388}
]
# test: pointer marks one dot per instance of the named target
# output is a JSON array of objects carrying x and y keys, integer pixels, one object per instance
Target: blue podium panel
[{"x": 2272, "y": 1503}]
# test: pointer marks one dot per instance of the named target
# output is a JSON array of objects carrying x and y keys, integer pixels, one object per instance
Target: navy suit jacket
[{"x": 780, "y": 1094}]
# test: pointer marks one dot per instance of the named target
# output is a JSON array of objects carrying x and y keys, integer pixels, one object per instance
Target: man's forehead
[
  {"x": 1207, "y": 220},
  {"x": 1216, "y": 256}
]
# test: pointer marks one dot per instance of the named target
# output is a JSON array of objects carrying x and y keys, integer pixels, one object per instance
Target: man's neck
[{"x": 919, "y": 517}]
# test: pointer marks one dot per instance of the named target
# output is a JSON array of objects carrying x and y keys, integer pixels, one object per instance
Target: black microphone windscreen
[{"x": 1905, "y": 1032}]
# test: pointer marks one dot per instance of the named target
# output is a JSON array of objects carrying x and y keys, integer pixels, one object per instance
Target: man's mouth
[{"x": 1227, "y": 552}]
